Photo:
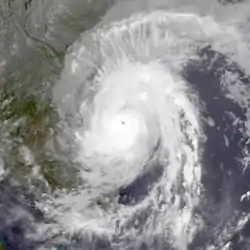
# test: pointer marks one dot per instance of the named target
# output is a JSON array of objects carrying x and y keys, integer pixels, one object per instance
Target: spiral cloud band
[{"x": 140, "y": 130}]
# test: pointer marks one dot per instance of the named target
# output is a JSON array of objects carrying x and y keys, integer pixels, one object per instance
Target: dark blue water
[{"x": 223, "y": 178}]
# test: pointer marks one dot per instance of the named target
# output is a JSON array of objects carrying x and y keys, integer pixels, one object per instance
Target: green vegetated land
[{"x": 27, "y": 114}]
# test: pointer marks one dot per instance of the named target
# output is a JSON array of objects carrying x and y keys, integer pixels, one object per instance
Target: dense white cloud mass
[
  {"x": 146, "y": 142},
  {"x": 131, "y": 112}
]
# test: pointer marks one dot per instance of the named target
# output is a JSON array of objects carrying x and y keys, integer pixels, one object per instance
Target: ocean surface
[{"x": 124, "y": 125}]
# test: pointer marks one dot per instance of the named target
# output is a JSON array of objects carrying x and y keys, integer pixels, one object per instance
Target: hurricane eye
[{"x": 159, "y": 126}]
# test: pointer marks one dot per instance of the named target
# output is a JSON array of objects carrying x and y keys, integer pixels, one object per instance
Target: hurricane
[{"x": 154, "y": 111}]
